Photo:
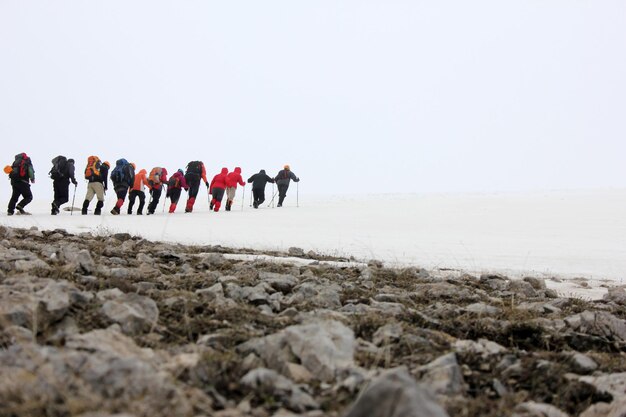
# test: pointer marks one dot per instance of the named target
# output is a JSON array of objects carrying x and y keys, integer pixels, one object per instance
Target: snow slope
[{"x": 563, "y": 234}]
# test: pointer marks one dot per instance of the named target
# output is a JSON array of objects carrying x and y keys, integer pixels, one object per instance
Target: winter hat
[
  {"x": 8, "y": 169},
  {"x": 286, "y": 167}
]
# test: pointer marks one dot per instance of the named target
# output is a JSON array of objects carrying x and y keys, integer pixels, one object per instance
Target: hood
[
  {"x": 262, "y": 171},
  {"x": 143, "y": 172},
  {"x": 224, "y": 170},
  {"x": 238, "y": 170},
  {"x": 164, "y": 171},
  {"x": 70, "y": 161}
]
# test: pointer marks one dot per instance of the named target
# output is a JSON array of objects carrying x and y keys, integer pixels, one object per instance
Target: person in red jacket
[
  {"x": 141, "y": 181},
  {"x": 174, "y": 187},
  {"x": 217, "y": 188},
  {"x": 232, "y": 179}
]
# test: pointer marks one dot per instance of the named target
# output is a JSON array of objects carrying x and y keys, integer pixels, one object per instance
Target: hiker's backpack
[
  {"x": 174, "y": 182},
  {"x": 19, "y": 169},
  {"x": 117, "y": 175},
  {"x": 59, "y": 168},
  {"x": 155, "y": 176},
  {"x": 194, "y": 167},
  {"x": 92, "y": 172}
]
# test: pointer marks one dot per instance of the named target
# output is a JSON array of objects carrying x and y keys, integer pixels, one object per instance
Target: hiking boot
[
  {"x": 211, "y": 205},
  {"x": 255, "y": 205},
  {"x": 187, "y": 210},
  {"x": 85, "y": 206},
  {"x": 9, "y": 213},
  {"x": 21, "y": 210},
  {"x": 55, "y": 209},
  {"x": 98, "y": 209},
  {"x": 115, "y": 211},
  {"x": 129, "y": 212},
  {"x": 279, "y": 205}
]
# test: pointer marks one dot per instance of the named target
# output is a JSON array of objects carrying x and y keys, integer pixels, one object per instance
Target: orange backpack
[
  {"x": 93, "y": 168},
  {"x": 155, "y": 176}
]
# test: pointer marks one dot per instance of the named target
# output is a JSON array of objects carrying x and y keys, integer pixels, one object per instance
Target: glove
[
  {"x": 207, "y": 184},
  {"x": 32, "y": 181},
  {"x": 75, "y": 183}
]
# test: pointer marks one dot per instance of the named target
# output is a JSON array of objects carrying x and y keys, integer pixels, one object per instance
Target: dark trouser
[
  {"x": 194, "y": 185},
  {"x": 174, "y": 195},
  {"x": 20, "y": 189},
  {"x": 282, "y": 192},
  {"x": 120, "y": 192},
  {"x": 132, "y": 196},
  {"x": 216, "y": 201},
  {"x": 61, "y": 192},
  {"x": 259, "y": 196},
  {"x": 156, "y": 196}
]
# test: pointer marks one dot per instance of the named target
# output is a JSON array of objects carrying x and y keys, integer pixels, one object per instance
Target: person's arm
[
  {"x": 206, "y": 182},
  {"x": 31, "y": 172},
  {"x": 243, "y": 184},
  {"x": 293, "y": 177},
  {"x": 269, "y": 179},
  {"x": 251, "y": 179},
  {"x": 72, "y": 172},
  {"x": 183, "y": 182}
]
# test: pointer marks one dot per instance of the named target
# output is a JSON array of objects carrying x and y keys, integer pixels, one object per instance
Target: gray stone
[
  {"x": 395, "y": 394},
  {"x": 279, "y": 282},
  {"x": 211, "y": 293},
  {"x": 533, "y": 409},
  {"x": 323, "y": 347},
  {"x": 615, "y": 409},
  {"x": 110, "y": 294},
  {"x": 522, "y": 289},
  {"x": 36, "y": 265},
  {"x": 443, "y": 376},
  {"x": 482, "y": 309},
  {"x": 536, "y": 283},
  {"x": 582, "y": 364},
  {"x": 598, "y": 323},
  {"x": 293, "y": 251},
  {"x": 481, "y": 347},
  {"x": 135, "y": 313},
  {"x": 85, "y": 261},
  {"x": 616, "y": 295},
  {"x": 387, "y": 334},
  {"x": 268, "y": 381},
  {"x": 614, "y": 384}
]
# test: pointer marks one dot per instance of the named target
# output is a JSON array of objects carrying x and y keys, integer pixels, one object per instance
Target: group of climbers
[{"x": 126, "y": 181}]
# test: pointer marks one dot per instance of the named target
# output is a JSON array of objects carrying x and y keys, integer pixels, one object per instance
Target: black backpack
[
  {"x": 194, "y": 167},
  {"x": 59, "y": 168}
]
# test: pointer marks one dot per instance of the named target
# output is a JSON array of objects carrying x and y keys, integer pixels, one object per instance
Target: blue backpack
[{"x": 119, "y": 173}]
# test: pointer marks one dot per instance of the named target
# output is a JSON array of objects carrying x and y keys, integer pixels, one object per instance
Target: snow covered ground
[{"x": 578, "y": 237}]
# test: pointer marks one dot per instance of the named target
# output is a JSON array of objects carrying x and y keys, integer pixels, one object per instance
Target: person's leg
[
  {"x": 120, "y": 192},
  {"x": 132, "y": 196},
  {"x": 142, "y": 201},
  {"x": 174, "y": 197},
  {"x": 27, "y": 196},
  {"x": 14, "y": 197},
  {"x": 156, "y": 197},
  {"x": 218, "y": 195},
  {"x": 282, "y": 193},
  {"x": 261, "y": 195},
  {"x": 193, "y": 192}
]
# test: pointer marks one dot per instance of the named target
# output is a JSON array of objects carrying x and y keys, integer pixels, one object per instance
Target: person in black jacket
[
  {"x": 258, "y": 187},
  {"x": 282, "y": 179},
  {"x": 61, "y": 178},
  {"x": 22, "y": 174}
]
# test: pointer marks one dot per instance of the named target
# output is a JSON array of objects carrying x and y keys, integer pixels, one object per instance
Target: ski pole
[
  {"x": 272, "y": 200},
  {"x": 73, "y": 199},
  {"x": 251, "y": 198},
  {"x": 243, "y": 190},
  {"x": 298, "y": 194}
]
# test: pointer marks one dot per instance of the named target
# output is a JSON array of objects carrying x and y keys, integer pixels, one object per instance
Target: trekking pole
[
  {"x": 298, "y": 194},
  {"x": 251, "y": 198},
  {"x": 272, "y": 200},
  {"x": 73, "y": 199},
  {"x": 164, "y": 198}
]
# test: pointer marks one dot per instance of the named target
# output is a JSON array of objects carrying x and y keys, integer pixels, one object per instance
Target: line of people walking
[{"x": 127, "y": 181}]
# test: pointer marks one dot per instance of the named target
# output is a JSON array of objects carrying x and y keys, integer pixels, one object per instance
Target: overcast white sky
[{"x": 358, "y": 96}]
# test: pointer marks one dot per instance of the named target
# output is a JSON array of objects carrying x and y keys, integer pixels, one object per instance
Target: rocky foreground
[{"x": 118, "y": 325}]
